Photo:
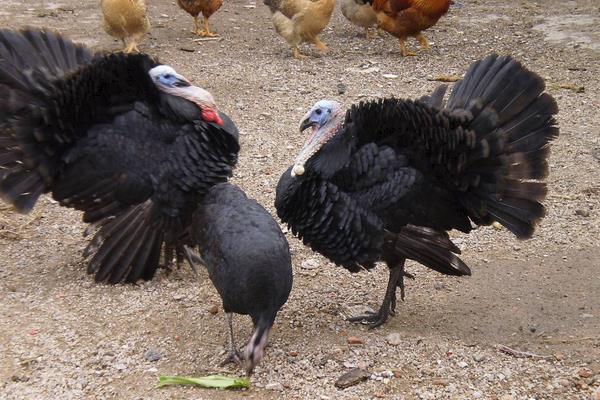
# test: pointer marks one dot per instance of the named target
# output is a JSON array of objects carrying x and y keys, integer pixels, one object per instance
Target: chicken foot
[
  {"x": 423, "y": 41},
  {"x": 403, "y": 50},
  {"x": 202, "y": 32},
  {"x": 234, "y": 356},
  {"x": 321, "y": 47},
  {"x": 388, "y": 306},
  {"x": 296, "y": 53}
]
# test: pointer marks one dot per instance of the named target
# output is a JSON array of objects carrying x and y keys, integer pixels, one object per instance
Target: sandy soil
[{"x": 62, "y": 336}]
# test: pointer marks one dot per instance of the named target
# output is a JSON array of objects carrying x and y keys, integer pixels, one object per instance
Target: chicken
[
  {"x": 360, "y": 14},
  {"x": 206, "y": 7},
  {"x": 300, "y": 21},
  {"x": 404, "y": 18},
  {"x": 125, "y": 20}
]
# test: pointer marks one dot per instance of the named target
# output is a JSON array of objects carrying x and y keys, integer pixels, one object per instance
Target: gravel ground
[{"x": 62, "y": 336}]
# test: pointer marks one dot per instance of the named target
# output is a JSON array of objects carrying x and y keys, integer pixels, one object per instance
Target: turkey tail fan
[
  {"x": 127, "y": 247},
  {"x": 29, "y": 59},
  {"x": 513, "y": 124},
  {"x": 431, "y": 248}
]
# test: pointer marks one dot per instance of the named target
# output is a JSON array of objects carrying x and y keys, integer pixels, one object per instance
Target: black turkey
[
  {"x": 248, "y": 261},
  {"x": 126, "y": 140},
  {"x": 386, "y": 180}
]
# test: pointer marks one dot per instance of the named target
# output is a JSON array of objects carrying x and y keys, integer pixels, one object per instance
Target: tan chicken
[
  {"x": 300, "y": 21},
  {"x": 360, "y": 13},
  {"x": 125, "y": 20},
  {"x": 206, "y": 7}
]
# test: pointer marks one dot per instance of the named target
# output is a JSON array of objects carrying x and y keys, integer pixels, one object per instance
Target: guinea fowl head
[
  {"x": 325, "y": 119},
  {"x": 169, "y": 81},
  {"x": 255, "y": 349}
]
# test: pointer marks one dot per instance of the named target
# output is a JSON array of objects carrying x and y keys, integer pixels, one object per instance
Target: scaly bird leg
[
  {"x": 423, "y": 41},
  {"x": 206, "y": 32},
  {"x": 132, "y": 47},
  {"x": 389, "y": 300},
  {"x": 234, "y": 356},
  {"x": 403, "y": 50},
  {"x": 321, "y": 47},
  {"x": 296, "y": 53},
  {"x": 369, "y": 34},
  {"x": 197, "y": 30}
]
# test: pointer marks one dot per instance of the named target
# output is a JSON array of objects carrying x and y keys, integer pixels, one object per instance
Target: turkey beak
[
  {"x": 181, "y": 82},
  {"x": 306, "y": 123}
]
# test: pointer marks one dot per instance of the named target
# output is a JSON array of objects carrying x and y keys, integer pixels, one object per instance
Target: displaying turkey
[
  {"x": 126, "y": 140},
  {"x": 248, "y": 261},
  {"x": 386, "y": 180}
]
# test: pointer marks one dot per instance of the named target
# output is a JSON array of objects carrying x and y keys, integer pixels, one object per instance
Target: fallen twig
[
  {"x": 571, "y": 340},
  {"x": 209, "y": 39},
  {"x": 520, "y": 354},
  {"x": 445, "y": 78}
]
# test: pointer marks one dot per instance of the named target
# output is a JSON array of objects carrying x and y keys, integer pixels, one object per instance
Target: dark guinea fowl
[
  {"x": 248, "y": 261},
  {"x": 386, "y": 180},
  {"x": 126, "y": 140}
]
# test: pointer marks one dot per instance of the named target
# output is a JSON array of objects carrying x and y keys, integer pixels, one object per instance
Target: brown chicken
[
  {"x": 404, "y": 18},
  {"x": 126, "y": 20},
  {"x": 300, "y": 21},
  {"x": 206, "y": 7},
  {"x": 360, "y": 13}
]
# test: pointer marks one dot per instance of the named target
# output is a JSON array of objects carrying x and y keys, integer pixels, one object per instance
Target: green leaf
[{"x": 211, "y": 381}]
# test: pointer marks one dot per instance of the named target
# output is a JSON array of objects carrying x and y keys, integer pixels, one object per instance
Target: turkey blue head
[
  {"x": 324, "y": 119},
  {"x": 169, "y": 81}
]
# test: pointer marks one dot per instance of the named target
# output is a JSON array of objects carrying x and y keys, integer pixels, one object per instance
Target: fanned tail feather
[
  {"x": 128, "y": 247},
  {"x": 431, "y": 248},
  {"x": 29, "y": 61},
  {"x": 513, "y": 122}
]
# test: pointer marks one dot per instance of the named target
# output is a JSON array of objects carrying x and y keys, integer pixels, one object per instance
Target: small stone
[
  {"x": 293, "y": 353},
  {"x": 596, "y": 394},
  {"x": 394, "y": 339},
  {"x": 462, "y": 364},
  {"x": 489, "y": 377},
  {"x": 274, "y": 386},
  {"x": 532, "y": 329},
  {"x": 354, "y": 340},
  {"x": 352, "y": 377},
  {"x": 479, "y": 357},
  {"x": 506, "y": 397},
  {"x": 477, "y": 395},
  {"x": 397, "y": 373},
  {"x": 439, "y": 286},
  {"x": 342, "y": 88},
  {"x": 178, "y": 296},
  {"x": 120, "y": 367},
  {"x": 152, "y": 354},
  {"x": 559, "y": 356},
  {"x": 563, "y": 382},
  {"x": 214, "y": 309},
  {"x": 586, "y": 316},
  {"x": 187, "y": 49},
  {"x": 582, "y": 213},
  {"x": 584, "y": 373},
  {"x": 497, "y": 225},
  {"x": 311, "y": 263},
  {"x": 440, "y": 382},
  {"x": 390, "y": 76},
  {"x": 19, "y": 378}
]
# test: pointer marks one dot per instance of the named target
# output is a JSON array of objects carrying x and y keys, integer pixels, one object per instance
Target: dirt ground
[{"x": 64, "y": 337}]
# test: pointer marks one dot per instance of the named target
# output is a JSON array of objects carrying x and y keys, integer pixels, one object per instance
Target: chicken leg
[
  {"x": 388, "y": 306},
  {"x": 206, "y": 32},
  {"x": 234, "y": 356},
  {"x": 403, "y": 50},
  {"x": 321, "y": 47},
  {"x": 296, "y": 53},
  {"x": 423, "y": 41}
]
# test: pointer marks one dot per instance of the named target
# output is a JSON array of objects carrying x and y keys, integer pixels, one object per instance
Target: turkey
[
  {"x": 387, "y": 179},
  {"x": 126, "y": 140},
  {"x": 248, "y": 261}
]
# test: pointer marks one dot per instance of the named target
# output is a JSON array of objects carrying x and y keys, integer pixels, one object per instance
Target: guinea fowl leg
[
  {"x": 234, "y": 356},
  {"x": 403, "y": 50},
  {"x": 423, "y": 41},
  {"x": 206, "y": 32},
  {"x": 375, "y": 319}
]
